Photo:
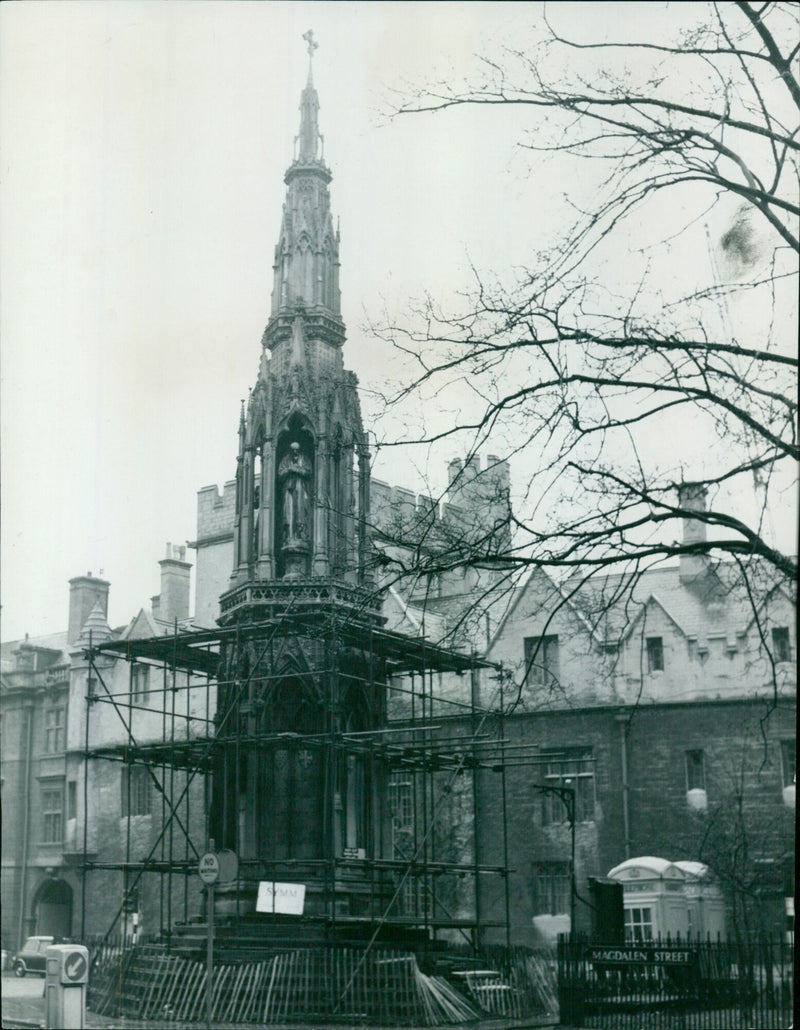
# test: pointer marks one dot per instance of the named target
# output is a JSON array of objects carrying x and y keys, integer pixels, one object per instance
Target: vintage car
[{"x": 31, "y": 958}]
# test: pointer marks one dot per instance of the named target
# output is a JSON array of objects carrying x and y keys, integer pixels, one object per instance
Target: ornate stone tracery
[{"x": 301, "y": 553}]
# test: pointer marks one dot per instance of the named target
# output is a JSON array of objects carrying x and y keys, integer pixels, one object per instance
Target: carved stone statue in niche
[{"x": 294, "y": 472}]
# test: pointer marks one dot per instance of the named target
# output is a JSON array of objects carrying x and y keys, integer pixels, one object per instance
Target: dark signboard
[{"x": 633, "y": 955}]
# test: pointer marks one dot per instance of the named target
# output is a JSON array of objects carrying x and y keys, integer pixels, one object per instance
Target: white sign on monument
[{"x": 285, "y": 898}]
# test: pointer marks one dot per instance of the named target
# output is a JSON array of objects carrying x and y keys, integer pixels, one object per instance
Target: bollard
[{"x": 65, "y": 987}]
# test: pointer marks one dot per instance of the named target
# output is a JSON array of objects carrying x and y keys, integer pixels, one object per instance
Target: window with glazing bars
[
  {"x": 568, "y": 770},
  {"x": 401, "y": 806},
  {"x": 54, "y": 730},
  {"x": 52, "y": 814},
  {"x": 552, "y": 888},
  {"x": 638, "y": 924}
]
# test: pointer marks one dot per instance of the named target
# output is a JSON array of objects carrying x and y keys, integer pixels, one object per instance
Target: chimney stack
[
  {"x": 692, "y": 497},
  {"x": 173, "y": 601},
  {"x": 85, "y": 592},
  {"x": 453, "y": 470}
]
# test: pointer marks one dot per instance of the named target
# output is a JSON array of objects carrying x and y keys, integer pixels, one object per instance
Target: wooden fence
[{"x": 331, "y": 984}]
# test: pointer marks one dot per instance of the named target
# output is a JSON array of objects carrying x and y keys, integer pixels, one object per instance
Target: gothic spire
[
  {"x": 309, "y": 137},
  {"x": 306, "y": 265}
]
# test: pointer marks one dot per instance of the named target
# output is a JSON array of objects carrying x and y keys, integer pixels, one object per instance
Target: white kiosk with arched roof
[
  {"x": 669, "y": 899},
  {"x": 706, "y": 905}
]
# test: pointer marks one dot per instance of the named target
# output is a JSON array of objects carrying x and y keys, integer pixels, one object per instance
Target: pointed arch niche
[
  {"x": 355, "y": 795},
  {"x": 290, "y": 788},
  {"x": 305, "y": 265},
  {"x": 342, "y": 499},
  {"x": 259, "y": 486},
  {"x": 293, "y": 531}
]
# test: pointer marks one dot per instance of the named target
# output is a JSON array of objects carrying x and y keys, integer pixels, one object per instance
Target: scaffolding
[{"x": 435, "y": 746}]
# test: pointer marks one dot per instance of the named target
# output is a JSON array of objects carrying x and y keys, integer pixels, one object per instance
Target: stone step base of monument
[{"x": 257, "y": 935}]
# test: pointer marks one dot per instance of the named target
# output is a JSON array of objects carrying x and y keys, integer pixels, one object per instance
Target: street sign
[
  {"x": 76, "y": 967},
  {"x": 630, "y": 955},
  {"x": 208, "y": 868}
]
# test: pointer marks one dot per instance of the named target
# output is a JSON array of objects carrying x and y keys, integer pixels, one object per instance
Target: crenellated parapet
[
  {"x": 477, "y": 498},
  {"x": 215, "y": 513}
]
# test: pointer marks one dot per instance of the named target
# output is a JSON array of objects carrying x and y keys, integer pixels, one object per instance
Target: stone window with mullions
[
  {"x": 695, "y": 770},
  {"x": 655, "y": 654},
  {"x": 553, "y": 888}
]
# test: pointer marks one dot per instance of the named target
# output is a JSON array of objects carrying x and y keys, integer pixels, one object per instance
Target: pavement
[{"x": 23, "y": 1009}]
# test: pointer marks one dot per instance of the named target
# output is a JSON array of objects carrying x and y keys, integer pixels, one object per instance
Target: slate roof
[{"x": 714, "y": 604}]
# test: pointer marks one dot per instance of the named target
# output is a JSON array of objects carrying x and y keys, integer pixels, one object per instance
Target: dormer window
[
  {"x": 781, "y": 646},
  {"x": 655, "y": 654},
  {"x": 541, "y": 660}
]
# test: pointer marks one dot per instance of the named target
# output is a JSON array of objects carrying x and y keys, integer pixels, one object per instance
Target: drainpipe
[
  {"x": 622, "y": 720},
  {"x": 26, "y": 809}
]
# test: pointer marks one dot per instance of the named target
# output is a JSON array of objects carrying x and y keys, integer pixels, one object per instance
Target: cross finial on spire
[
  {"x": 312, "y": 43},
  {"x": 312, "y": 46}
]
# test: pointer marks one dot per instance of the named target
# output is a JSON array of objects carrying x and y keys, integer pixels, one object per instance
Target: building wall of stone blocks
[
  {"x": 214, "y": 564},
  {"x": 27, "y": 697},
  {"x": 214, "y": 549},
  {"x": 113, "y": 837},
  {"x": 742, "y": 768},
  {"x": 661, "y": 821}
]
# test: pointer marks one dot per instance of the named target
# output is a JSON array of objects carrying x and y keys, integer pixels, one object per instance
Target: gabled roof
[
  {"x": 778, "y": 589},
  {"x": 641, "y": 612},
  {"x": 610, "y": 605},
  {"x": 564, "y": 599},
  {"x": 141, "y": 627}
]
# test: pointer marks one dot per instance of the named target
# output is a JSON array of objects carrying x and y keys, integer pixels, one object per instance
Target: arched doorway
[{"x": 52, "y": 909}]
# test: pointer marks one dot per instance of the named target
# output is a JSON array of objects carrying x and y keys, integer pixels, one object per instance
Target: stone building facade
[
  {"x": 667, "y": 704},
  {"x": 655, "y": 715},
  {"x": 55, "y": 708}
]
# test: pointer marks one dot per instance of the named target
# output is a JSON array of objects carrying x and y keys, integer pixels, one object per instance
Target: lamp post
[{"x": 567, "y": 796}]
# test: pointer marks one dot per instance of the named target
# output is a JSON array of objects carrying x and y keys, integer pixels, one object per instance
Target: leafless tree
[
  {"x": 747, "y": 844},
  {"x": 596, "y": 368}
]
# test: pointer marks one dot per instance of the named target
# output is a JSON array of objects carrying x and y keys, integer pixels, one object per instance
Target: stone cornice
[{"x": 273, "y": 596}]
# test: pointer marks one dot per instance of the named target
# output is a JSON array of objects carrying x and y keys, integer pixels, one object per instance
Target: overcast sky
[{"x": 143, "y": 152}]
